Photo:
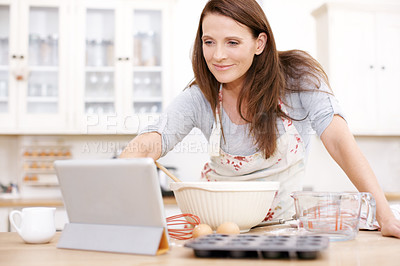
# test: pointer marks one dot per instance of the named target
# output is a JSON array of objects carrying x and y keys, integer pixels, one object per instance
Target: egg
[
  {"x": 201, "y": 230},
  {"x": 228, "y": 228}
]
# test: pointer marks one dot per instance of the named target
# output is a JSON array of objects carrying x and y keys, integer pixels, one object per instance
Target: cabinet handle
[
  {"x": 371, "y": 67},
  {"x": 119, "y": 58},
  {"x": 383, "y": 67},
  {"x": 14, "y": 56}
]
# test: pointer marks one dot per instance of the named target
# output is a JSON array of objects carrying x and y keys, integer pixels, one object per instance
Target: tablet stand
[{"x": 143, "y": 240}]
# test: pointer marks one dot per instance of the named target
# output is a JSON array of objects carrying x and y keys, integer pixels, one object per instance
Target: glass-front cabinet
[
  {"x": 147, "y": 61},
  {"x": 43, "y": 62},
  {"x": 7, "y": 110},
  {"x": 32, "y": 68},
  {"x": 99, "y": 92},
  {"x": 123, "y": 64},
  {"x": 82, "y": 66}
]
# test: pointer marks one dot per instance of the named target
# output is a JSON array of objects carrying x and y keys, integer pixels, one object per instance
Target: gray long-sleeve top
[{"x": 313, "y": 109}]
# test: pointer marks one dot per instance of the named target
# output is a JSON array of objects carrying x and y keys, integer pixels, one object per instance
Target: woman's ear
[{"x": 261, "y": 42}]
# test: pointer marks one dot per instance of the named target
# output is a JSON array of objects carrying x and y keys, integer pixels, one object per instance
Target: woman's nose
[{"x": 219, "y": 52}]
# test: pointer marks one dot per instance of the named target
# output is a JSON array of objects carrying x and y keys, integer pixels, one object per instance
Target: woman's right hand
[{"x": 144, "y": 145}]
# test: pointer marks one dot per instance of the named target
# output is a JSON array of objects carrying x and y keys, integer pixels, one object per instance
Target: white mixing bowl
[{"x": 245, "y": 203}]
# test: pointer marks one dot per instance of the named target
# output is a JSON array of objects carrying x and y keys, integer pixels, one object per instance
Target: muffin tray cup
[{"x": 258, "y": 246}]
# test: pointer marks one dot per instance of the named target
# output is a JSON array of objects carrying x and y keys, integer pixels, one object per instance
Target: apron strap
[{"x": 214, "y": 143}]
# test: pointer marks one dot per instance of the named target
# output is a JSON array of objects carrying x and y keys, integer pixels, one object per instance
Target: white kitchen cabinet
[
  {"x": 358, "y": 46},
  {"x": 7, "y": 112},
  {"x": 8, "y": 96},
  {"x": 4, "y": 223},
  {"x": 122, "y": 71},
  {"x": 33, "y": 65},
  {"x": 69, "y": 66}
]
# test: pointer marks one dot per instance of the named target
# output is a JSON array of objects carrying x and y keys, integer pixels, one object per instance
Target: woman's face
[{"x": 229, "y": 48}]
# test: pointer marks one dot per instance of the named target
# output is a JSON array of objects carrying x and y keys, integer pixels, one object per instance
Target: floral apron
[{"x": 286, "y": 165}]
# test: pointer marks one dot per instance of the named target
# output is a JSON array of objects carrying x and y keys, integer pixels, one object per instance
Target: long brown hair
[{"x": 271, "y": 75}]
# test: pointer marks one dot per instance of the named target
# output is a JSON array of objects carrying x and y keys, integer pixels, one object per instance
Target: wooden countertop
[
  {"x": 57, "y": 202},
  {"x": 369, "y": 248},
  {"x": 33, "y": 202},
  {"x": 30, "y": 202},
  {"x": 392, "y": 196}
]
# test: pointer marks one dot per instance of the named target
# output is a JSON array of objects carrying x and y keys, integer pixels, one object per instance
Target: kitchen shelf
[
  {"x": 39, "y": 171},
  {"x": 148, "y": 99},
  {"x": 41, "y": 184},
  {"x": 43, "y": 68},
  {"x": 42, "y": 99},
  {"x": 147, "y": 69},
  {"x": 99, "y": 99},
  {"x": 100, "y": 69},
  {"x": 46, "y": 158},
  {"x": 37, "y": 164}
]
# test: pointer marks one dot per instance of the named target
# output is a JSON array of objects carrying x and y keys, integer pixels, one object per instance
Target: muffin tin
[{"x": 258, "y": 246}]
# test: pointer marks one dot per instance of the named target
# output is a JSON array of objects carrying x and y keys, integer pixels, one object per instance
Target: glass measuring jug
[{"x": 334, "y": 214}]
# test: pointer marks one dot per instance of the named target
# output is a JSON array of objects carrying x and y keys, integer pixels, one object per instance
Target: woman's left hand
[
  {"x": 343, "y": 148},
  {"x": 391, "y": 227}
]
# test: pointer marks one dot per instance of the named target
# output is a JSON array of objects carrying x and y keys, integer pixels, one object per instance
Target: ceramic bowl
[{"x": 245, "y": 203}]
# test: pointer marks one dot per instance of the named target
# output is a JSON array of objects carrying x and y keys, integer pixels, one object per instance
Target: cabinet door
[
  {"x": 388, "y": 67},
  {"x": 43, "y": 67},
  {"x": 124, "y": 64},
  {"x": 148, "y": 45},
  {"x": 96, "y": 97},
  {"x": 147, "y": 63},
  {"x": 352, "y": 68},
  {"x": 8, "y": 94}
]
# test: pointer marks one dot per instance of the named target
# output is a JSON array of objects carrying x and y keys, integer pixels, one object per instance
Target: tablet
[{"x": 122, "y": 196}]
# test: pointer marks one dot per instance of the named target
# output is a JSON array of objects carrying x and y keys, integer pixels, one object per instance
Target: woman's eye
[
  {"x": 233, "y": 43},
  {"x": 207, "y": 42}
]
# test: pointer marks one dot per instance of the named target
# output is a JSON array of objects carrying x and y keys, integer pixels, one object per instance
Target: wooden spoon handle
[{"x": 168, "y": 173}]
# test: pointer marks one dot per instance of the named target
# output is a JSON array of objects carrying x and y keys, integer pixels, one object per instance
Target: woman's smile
[{"x": 222, "y": 67}]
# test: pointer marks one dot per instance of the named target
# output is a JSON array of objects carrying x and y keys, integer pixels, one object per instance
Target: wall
[
  {"x": 8, "y": 159},
  {"x": 383, "y": 154}
]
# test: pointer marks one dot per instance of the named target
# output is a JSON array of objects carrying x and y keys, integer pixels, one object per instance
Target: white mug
[{"x": 36, "y": 225}]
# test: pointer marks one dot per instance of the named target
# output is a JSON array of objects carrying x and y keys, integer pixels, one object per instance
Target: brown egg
[
  {"x": 228, "y": 228},
  {"x": 201, "y": 230}
]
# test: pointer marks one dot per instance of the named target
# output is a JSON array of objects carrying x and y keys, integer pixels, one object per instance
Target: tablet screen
[{"x": 111, "y": 191}]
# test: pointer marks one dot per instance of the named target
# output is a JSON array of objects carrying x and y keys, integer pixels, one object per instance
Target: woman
[{"x": 258, "y": 107}]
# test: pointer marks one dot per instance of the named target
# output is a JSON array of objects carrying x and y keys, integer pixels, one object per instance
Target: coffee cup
[{"x": 35, "y": 225}]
